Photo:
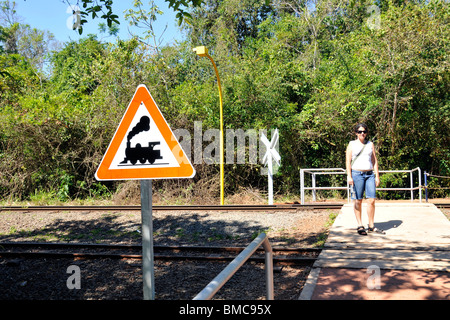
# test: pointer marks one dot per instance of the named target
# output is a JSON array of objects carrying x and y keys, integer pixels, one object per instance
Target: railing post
[
  {"x": 210, "y": 290},
  {"x": 302, "y": 186},
  {"x": 313, "y": 176},
  {"x": 269, "y": 269},
  {"x": 420, "y": 184},
  {"x": 411, "y": 185}
]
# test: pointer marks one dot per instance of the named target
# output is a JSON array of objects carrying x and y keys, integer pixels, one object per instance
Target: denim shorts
[{"x": 363, "y": 181}]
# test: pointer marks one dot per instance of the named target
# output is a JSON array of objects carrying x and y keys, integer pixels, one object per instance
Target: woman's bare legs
[
  {"x": 371, "y": 211},
  {"x": 357, "y": 206}
]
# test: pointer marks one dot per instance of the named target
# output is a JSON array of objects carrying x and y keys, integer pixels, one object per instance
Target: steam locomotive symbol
[{"x": 139, "y": 153}]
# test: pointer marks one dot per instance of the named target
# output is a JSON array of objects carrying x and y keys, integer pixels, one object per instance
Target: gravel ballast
[{"x": 112, "y": 279}]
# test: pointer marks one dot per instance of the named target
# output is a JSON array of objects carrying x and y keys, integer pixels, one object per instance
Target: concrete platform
[{"x": 411, "y": 261}]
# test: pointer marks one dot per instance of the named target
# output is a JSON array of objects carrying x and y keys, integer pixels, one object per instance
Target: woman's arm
[
  {"x": 348, "y": 164},
  {"x": 375, "y": 167}
]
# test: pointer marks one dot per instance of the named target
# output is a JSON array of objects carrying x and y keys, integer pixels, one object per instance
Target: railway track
[
  {"x": 277, "y": 207},
  {"x": 31, "y": 250},
  {"x": 442, "y": 205},
  {"x": 280, "y": 207}
]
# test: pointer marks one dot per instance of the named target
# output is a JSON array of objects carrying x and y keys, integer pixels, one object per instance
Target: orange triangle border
[{"x": 185, "y": 169}]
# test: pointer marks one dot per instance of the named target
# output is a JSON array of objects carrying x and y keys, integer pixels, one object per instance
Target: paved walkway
[{"x": 411, "y": 261}]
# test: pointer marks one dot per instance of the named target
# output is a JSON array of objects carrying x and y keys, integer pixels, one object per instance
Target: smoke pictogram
[{"x": 143, "y": 125}]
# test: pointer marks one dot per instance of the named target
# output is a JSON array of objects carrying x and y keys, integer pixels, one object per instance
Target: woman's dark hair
[{"x": 359, "y": 125}]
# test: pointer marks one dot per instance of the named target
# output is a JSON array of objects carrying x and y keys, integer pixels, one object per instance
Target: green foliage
[{"x": 311, "y": 72}]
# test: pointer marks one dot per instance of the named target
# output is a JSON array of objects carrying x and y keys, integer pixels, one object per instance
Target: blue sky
[{"x": 51, "y": 15}]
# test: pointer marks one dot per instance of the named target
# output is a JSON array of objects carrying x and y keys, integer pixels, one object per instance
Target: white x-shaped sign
[
  {"x": 270, "y": 155},
  {"x": 271, "y": 152}
]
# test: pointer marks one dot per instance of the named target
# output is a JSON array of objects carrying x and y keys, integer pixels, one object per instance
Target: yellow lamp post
[{"x": 202, "y": 51}]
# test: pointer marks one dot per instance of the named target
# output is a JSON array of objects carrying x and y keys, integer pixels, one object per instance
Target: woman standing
[{"x": 363, "y": 176}]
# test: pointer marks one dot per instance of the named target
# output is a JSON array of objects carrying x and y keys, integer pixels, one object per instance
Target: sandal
[
  {"x": 361, "y": 231},
  {"x": 376, "y": 230}
]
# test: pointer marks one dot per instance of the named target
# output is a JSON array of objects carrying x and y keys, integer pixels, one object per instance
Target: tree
[
  {"x": 225, "y": 25},
  {"x": 20, "y": 38},
  {"x": 145, "y": 19},
  {"x": 393, "y": 78},
  {"x": 103, "y": 8}
]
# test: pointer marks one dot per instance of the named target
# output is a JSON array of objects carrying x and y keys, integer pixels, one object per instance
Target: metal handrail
[
  {"x": 211, "y": 289},
  {"x": 316, "y": 171},
  {"x": 313, "y": 172},
  {"x": 411, "y": 180}
]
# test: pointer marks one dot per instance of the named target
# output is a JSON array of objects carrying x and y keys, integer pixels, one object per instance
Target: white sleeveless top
[{"x": 364, "y": 161}]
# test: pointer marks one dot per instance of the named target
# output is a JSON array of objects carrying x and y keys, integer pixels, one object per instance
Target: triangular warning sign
[{"x": 144, "y": 146}]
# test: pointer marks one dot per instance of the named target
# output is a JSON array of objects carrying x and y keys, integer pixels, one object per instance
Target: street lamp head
[{"x": 202, "y": 51}]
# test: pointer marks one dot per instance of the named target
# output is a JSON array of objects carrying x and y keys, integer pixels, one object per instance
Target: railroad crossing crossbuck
[{"x": 270, "y": 155}]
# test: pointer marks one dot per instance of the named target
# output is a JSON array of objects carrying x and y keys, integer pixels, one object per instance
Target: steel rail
[
  {"x": 280, "y": 207},
  {"x": 63, "y": 245},
  {"x": 284, "y": 207},
  {"x": 287, "y": 255},
  {"x": 86, "y": 255},
  {"x": 97, "y": 246},
  {"x": 442, "y": 205}
]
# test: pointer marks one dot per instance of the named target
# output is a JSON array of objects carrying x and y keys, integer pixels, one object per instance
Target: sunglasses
[{"x": 361, "y": 131}]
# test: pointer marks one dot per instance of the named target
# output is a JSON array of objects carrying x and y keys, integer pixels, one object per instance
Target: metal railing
[
  {"x": 425, "y": 175},
  {"x": 318, "y": 171},
  {"x": 411, "y": 182},
  {"x": 211, "y": 289}
]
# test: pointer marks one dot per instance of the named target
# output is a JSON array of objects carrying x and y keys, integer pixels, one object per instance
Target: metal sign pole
[
  {"x": 270, "y": 176},
  {"x": 148, "y": 275}
]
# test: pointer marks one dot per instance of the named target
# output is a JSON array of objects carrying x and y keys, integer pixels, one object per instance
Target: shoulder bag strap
[{"x": 353, "y": 161}]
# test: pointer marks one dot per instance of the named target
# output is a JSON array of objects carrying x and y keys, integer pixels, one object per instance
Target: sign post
[
  {"x": 144, "y": 148},
  {"x": 270, "y": 155},
  {"x": 148, "y": 274}
]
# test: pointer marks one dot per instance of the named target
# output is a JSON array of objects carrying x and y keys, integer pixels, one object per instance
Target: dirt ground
[{"x": 107, "y": 279}]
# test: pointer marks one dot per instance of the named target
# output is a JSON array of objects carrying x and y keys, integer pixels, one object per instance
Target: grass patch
[{"x": 322, "y": 238}]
